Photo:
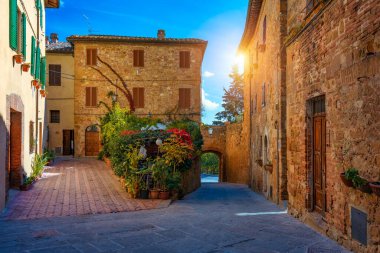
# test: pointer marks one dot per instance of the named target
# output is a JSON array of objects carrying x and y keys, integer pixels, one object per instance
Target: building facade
[
  {"x": 333, "y": 117},
  {"x": 59, "y": 111},
  {"x": 162, "y": 76},
  {"x": 22, "y": 57},
  {"x": 265, "y": 96}
]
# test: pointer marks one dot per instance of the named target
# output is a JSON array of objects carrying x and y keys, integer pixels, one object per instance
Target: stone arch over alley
[{"x": 229, "y": 144}]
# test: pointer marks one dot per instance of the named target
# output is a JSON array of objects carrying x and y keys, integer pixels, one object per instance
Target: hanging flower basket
[
  {"x": 18, "y": 58},
  {"x": 25, "y": 67},
  {"x": 43, "y": 93},
  {"x": 35, "y": 83},
  {"x": 38, "y": 86}
]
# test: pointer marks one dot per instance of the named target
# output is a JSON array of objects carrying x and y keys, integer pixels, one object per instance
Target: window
[
  {"x": 54, "y": 116},
  {"x": 184, "y": 98},
  {"x": 263, "y": 101},
  {"x": 265, "y": 30},
  {"x": 184, "y": 59},
  {"x": 91, "y": 97},
  {"x": 13, "y": 26},
  {"x": 54, "y": 74},
  {"x": 31, "y": 136},
  {"x": 138, "y": 97},
  {"x": 92, "y": 54},
  {"x": 138, "y": 58}
]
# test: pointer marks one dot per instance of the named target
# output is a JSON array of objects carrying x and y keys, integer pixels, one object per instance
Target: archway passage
[
  {"x": 92, "y": 141},
  {"x": 211, "y": 165}
]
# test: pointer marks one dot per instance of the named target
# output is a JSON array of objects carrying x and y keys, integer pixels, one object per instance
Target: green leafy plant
[
  {"x": 49, "y": 154},
  {"x": 351, "y": 173},
  {"x": 38, "y": 164},
  {"x": 359, "y": 182}
]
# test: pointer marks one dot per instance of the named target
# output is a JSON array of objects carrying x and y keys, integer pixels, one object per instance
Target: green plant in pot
[
  {"x": 143, "y": 183},
  {"x": 361, "y": 184},
  {"x": 348, "y": 176}
]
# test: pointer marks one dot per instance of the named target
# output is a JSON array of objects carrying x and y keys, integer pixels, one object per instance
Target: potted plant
[
  {"x": 143, "y": 184},
  {"x": 49, "y": 154},
  {"x": 348, "y": 176},
  {"x": 361, "y": 184},
  {"x": 35, "y": 83},
  {"x": 27, "y": 185},
  {"x": 269, "y": 167},
  {"x": 174, "y": 184},
  {"x": 25, "y": 67},
  {"x": 18, "y": 58},
  {"x": 154, "y": 193},
  {"x": 375, "y": 187},
  {"x": 259, "y": 162},
  {"x": 43, "y": 93}
]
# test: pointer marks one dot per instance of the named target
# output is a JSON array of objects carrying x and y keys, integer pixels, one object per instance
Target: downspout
[
  {"x": 38, "y": 44},
  {"x": 250, "y": 132}
]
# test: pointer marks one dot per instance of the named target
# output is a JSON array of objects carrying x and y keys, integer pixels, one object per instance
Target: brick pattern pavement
[{"x": 76, "y": 187}]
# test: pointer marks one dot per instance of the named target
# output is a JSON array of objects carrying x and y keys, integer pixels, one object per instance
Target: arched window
[{"x": 265, "y": 29}]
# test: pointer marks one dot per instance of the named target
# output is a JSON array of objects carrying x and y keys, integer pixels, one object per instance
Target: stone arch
[{"x": 222, "y": 171}]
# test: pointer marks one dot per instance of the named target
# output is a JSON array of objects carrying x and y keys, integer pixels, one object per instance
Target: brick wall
[{"x": 336, "y": 54}]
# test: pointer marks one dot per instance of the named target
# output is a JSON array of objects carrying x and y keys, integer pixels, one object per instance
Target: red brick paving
[{"x": 76, "y": 187}]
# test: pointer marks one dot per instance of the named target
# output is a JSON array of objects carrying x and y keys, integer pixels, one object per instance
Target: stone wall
[
  {"x": 236, "y": 156},
  {"x": 161, "y": 77},
  {"x": 336, "y": 54},
  {"x": 265, "y": 101}
]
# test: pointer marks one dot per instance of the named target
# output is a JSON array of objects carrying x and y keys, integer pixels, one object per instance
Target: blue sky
[{"x": 220, "y": 22}]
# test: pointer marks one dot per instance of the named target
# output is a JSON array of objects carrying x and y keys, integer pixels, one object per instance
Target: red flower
[
  {"x": 128, "y": 132},
  {"x": 184, "y": 137}
]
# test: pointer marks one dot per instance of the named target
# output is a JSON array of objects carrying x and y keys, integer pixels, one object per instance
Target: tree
[{"x": 233, "y": 98}]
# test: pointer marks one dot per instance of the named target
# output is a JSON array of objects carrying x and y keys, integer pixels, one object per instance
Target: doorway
[
  {"x": 92, "y": 141},
  {"x": 68, "y": 142},
  {"x": 14, "y": 150},
  {"x": 319, "y": 154},
  {"x": 210, "y": 167}
]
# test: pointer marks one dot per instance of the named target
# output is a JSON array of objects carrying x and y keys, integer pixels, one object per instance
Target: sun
[{"x": 239, "y": 61}]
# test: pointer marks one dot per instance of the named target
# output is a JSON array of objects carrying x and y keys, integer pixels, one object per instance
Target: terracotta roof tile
[{"x": 60, "y": 47}]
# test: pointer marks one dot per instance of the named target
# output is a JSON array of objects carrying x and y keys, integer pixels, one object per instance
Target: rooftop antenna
[{"x": 90, "y": 30}]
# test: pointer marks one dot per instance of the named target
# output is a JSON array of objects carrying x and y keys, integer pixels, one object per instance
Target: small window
[
  {"x": 184, "y": 59},
  {"x": 265, "y": 30},
  {"x": 138, "y": 97},
  {"x": 31, "y": 137},
  {"x": 184, "y": 98},
  {"x": 92, "y": 56},
  {"x": 54, "y": 75},
  {"x": 54, "y": 116},
  {"x": 138, "y": 58},
  {"x": 91, "y": 97}
]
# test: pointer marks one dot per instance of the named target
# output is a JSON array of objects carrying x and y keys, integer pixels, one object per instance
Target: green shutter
[
  {"x": 41, "y": 15},
  {"x": 38, "y": 63},
  {"x": 23, "y": 49},
  {"x": 13, "y": 24},
  {"x": 33, "y": 57},
  {"x": 43, "y": 72}
]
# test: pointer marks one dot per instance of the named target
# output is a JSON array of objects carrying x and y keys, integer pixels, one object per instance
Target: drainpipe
[
  {"x": 250, "y": 132},
  {"x": 38, "y": 44}
]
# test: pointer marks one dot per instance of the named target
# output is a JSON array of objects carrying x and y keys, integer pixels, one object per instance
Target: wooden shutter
[
  {"x": 138, "y": 97},
  {"x": 88, "y": 56},
  {"x": 51, "y": 74},
  {"x": 43, "y": 72},
  {"x": 187, "y": 59},
  {"x": 57, "y": 75},
  {"x": 41, "y": 10},
  {"x": 94, "y": 57},
  {"x": 13, "y": 33},
  {"x": 138, "y": 58},
  {"x": 88, "y": 96},
  {"x": 184, "y": 59},
  {"x": 33, "y": 57},
  {"x": 38, "y": 63},
  {"x": 23, "y": 48},
  {"x": 184, "y": 98},
  {"x": 94, "y": 97}
]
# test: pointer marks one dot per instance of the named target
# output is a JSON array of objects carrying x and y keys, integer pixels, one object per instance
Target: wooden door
[
  {"x": 319, "y": 162},
  {"x": 92, "y": 143},
  {"x": 68, "y": 140}
]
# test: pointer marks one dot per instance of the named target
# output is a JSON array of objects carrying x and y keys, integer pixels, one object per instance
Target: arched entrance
[
  {"x": 92, "y": 142},
  {"x": 212, "y": 167}
]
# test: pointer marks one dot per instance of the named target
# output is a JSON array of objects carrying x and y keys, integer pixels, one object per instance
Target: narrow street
[{"x": 215, "y": 218}]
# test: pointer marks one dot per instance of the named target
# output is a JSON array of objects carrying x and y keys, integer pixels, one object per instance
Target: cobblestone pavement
[
  {"x": 217, "y": 218},
  {"x": 75, "y": 187}
]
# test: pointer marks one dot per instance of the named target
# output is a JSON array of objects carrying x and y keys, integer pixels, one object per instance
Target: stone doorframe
[
  {"x": 309, "y": 200},
  {"x": 13, "y": 102}
]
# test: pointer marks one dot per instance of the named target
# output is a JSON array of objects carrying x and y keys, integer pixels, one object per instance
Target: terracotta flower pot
[
  {"x": 375, "y": 186},
  {"x": 164, "y": 195},
  {"x": 25, "y": 67},
  {"x": 345, "y": 181},
  {"x": 25, "y": 187},
  {"x": 154, "y": 194},
  {"x": 18, "y": 58},
  {"x": 43, "y": 93},
  {"x": 365, "y": 188},
  {"x": 34, "y": 83}
]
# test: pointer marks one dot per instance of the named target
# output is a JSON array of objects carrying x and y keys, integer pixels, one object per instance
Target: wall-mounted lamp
[{"x": 158, "y": 142}]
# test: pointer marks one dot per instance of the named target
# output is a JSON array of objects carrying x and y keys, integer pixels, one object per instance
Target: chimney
[
  {"x": 47, "y": 42},
  {"x": 54, "y": 37},
  {"x": 161, "y": 34}
]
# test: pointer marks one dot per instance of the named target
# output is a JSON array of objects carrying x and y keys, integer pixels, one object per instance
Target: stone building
[
  {"x": 22, "y": 51},
  {"x": 60, "y": 99},
  {"x": 264, "y": 96},
  {"x": 163, "y": 76},
  {"x": 333, "y": 116}
]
